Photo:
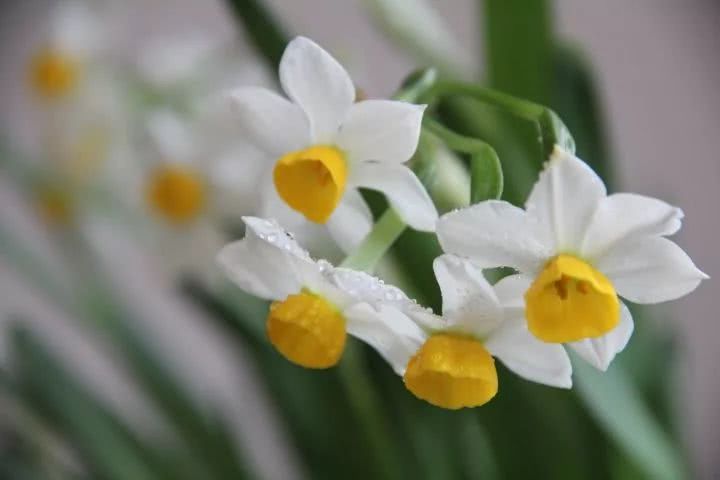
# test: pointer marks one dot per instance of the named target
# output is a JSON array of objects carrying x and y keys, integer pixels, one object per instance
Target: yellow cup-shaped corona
[
  {"x": 570, "y": 300},
  {"x": 307, "y": 330},
  {"x": 312, "y": 181},
  {"x": 452, "y": 371}
]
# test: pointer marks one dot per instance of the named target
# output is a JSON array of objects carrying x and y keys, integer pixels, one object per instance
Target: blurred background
[{"x": 167, "y": 376}]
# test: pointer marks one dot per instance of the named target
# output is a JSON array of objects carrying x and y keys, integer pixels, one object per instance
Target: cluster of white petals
[
  {"x": 376, "y": 138},
  {"x": 575, "y": 250},
  {"x": 569, "y": 212}
]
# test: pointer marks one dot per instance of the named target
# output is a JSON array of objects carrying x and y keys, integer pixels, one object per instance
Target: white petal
[
  {"x": 650, "y": 270},
  {"x": 235, "y": 174},
  {"x": 271, "y": 122},
  {"x": 316, "y": 82},
  {"x": 510, "y": 292},
  {"x": 351, "y": 221},
  {"x": 267, "y": 262},
  {"x": 494, "y": 234},
  {"x": 369, "y": 289},
  {"x": 395, "y": 336},
  {"x": 170, "y": 135},
  {"x": 365, "y": 288},
  {"x": 564, "y": 199},
  {"x": 402, "y": 189},
  {"x": 382, "y": 130},
  {"x": 168, "y": 62},
  {"x": 76, "y": 29},
  {"x": 532, "y": 359},
  {"x": 599, "y": 352},
  {"x": 469, "y": 301},
  {"x": 626, "y": 216}
]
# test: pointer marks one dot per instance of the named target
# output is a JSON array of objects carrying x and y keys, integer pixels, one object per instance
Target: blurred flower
[
  {"x": 314, "y": 304},
  {"x": 448, "y": 360},
  {"x": 578, "y": 247},
  {"x": 83, "y": 151},
  {"x": 54, "y": 203},
  {"x": 179, "y": 191},
  {"x": 421, "y": 30},
  {"x": 74, "y": 38},
  {"x": 324, "y": 146},
  {"x": 186, "y": 71}
]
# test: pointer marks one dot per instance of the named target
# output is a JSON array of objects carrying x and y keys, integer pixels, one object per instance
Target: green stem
[
  {"x": 551, "y": 130},
  {"x": 485, "y": 168},
  {"x": 377, "y": 242}
]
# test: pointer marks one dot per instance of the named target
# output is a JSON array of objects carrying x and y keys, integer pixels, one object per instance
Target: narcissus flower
[
  {"x": 182, "y": 189},
  {"x": 323, "y": 145},
  {"x": 314, "y": 304},
  {"x": 72, "y": 41},
  {"x": 580, "y": 249},
  {"x": 448, "y": 360}
]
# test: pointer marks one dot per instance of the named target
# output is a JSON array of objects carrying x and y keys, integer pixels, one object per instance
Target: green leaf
[
  {"x": 202, "y": 433},
  {"x": 617, "y": 405},
  {"x": 111, "y": 450},
  {"x": 519, "y": 47}
]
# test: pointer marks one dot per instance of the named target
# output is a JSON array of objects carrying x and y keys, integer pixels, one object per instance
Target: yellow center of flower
[
  {"x": 452, "y": 371},
  {"x": 570, "y": 300},
  {"x": 54, "y": 74},
  {"x": 312, "y": 181},
  {"x": 177, "y": 193},
  {"x": 307, "y": 330},
  {"x": 54, "y": 205}
]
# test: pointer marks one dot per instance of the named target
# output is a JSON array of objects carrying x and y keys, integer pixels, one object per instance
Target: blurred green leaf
[
  {"x": 519, "y": 47},
  {"x": 616, "y": 404},
  {"x": 202, "y": 433},
  {"x": 112, "y": 451}
]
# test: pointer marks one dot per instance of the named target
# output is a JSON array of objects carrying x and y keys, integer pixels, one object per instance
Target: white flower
[
  {"x": 73, "y": 41},
  {"x": 323, "y": 146},
  {"x": 188, "y": 70},
  {"x": 448, "y": 360},
  {"x": 578, "y": 249},
  {"x": 314, "y": 304},
  {"x": 182, "y": 189}
]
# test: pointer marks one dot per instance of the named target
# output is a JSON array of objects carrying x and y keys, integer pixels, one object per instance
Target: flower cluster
[
  {"x": 574, "y": 249},
  {"x": 274, "y": 164}
]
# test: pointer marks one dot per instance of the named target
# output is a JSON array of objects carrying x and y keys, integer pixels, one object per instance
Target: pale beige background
[{"x": 658, "y": 63}]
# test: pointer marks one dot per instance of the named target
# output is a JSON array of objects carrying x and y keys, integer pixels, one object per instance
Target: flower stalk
[{"x": 377, "y": 243}]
